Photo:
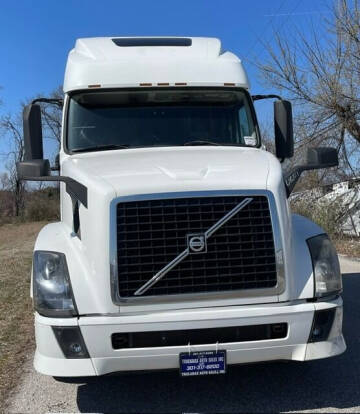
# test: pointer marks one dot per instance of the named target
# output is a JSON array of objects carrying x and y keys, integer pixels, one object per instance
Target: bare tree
[
  {"x": 52, "y": 116},
  {"x": 11, "y": 132},
  {"x": 11, "y": 129},
  {"x": 320, "y": 71}
]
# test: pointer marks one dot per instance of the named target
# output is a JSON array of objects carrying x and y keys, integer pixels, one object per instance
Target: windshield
[{"x": 151, "y": 118}]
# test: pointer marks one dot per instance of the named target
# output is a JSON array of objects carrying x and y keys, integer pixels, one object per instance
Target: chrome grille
[{"x": 151, "y": 233}]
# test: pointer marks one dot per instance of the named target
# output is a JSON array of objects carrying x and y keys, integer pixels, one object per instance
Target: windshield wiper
[
  {"x": 100, "y": 148},
  {"x": 201, "y": 142}
]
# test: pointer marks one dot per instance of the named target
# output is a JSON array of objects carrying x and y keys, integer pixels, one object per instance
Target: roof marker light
[
  {"x": 145, "y": 84},
  {"x": 163, "y": 83},
  {"x": 180, "y": 83},
  {"x": 229, "y": 84},
  {"x": 94, "y": 86}
]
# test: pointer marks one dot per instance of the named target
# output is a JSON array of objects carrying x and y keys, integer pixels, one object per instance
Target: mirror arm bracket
[
  {"x": 55, "y": 101},
  {"x": 260, "y": 97},
  {"x": 292, "y": 177},
  {"x": 76, "y": 190}
]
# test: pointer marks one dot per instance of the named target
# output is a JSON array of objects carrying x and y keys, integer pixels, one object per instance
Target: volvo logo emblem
[{"x": 196, "y": 243}]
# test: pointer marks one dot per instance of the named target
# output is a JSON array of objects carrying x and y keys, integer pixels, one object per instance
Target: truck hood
[
  {"x": 154, "y": 170},
  {"x": 120, "y": 173}
]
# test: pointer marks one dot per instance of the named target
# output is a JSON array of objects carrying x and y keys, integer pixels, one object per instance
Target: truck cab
[{"x": 176, "y": 248}]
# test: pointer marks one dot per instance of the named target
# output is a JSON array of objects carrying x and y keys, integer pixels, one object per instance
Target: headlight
[
  {"x": 326, "y": 265},
  {"x": 51, "y": 283}
]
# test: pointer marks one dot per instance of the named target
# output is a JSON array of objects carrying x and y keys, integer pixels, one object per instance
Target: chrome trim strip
[
  {"x": 166, "y": 269},
  {"x": 227, "y": 217},
  {"x": 137, "y": 300},
  {"x": 159, "y": 275}
]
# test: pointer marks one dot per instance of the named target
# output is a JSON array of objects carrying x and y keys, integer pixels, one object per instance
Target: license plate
[{"x": 202, "y": 363}]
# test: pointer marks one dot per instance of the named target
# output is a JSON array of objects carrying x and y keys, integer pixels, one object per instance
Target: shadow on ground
[{"x": 291, "y": 386}]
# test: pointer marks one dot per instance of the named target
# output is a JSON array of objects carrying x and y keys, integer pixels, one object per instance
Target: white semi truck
[{"x": 176, "y": 248}]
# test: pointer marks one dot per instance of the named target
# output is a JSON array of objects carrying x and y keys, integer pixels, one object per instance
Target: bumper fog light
[
  {"x": 322, "y": 324},
  {"x": 71, "y": 341}
]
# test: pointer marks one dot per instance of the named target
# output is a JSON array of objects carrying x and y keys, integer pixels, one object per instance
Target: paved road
[{"x": 325, "y": 385}]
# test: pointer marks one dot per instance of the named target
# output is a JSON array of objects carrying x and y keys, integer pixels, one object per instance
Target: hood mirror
[{"x": 317, "y": 158}]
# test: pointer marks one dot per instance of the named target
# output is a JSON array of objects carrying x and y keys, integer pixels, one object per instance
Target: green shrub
[
  {"x": 42, "y": 210},
  {"x": 326, "y": 213}
]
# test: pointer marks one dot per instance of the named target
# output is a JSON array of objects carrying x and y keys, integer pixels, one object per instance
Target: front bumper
[{"x": 97, "y": 331}]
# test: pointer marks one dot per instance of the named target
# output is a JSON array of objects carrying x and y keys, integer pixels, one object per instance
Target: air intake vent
[
  {"x": 152, "y": 41},
  {"x": 222, "y": 335}
]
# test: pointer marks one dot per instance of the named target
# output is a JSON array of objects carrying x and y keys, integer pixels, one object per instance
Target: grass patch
[
  {"x": 349, "y": 246},
  {"x": 16, "y": 314}
]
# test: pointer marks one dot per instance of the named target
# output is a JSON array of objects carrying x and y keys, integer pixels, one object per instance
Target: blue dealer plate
[{"x": 202, "y": 363}]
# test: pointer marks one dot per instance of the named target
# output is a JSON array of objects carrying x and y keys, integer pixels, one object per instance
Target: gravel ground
[{"x": 330, "y": 385}]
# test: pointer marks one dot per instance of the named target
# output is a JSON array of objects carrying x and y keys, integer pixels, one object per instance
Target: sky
[{"x": 37, "y": 35}]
